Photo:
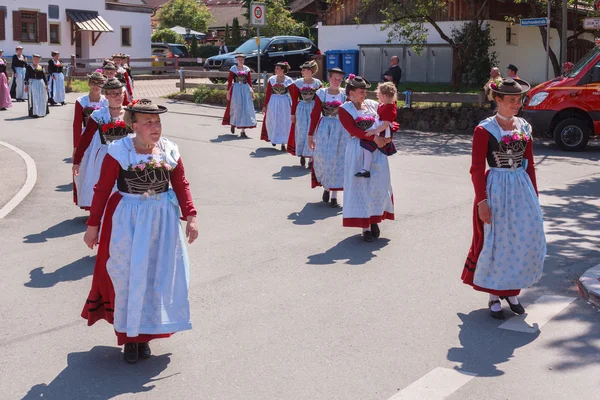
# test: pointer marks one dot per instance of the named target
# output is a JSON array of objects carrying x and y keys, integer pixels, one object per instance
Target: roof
[
  {"x": 225, "y": 13},
  {"x": 155, "y": 3},
  {"x": 88, "y": 20}
]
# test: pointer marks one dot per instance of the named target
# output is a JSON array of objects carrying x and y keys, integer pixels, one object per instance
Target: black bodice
[
  {"x": 3, "y": 68},
  {"x": 113, "y": 134},
  {"x": 33, "y": 73},
  {"x": 54, "y": 68},
  {"x": 503, "y": 155},
  {"x": 280, "y": 89},
  {"x": 150, "y": 181},
  {"x": 17, "y": 63},
  {"x": 242, "y": 78}
]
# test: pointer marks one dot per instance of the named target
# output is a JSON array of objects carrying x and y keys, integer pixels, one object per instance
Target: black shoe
[
  {"x": 325, "y": 196},
  {"x": 363, "y": 174},
  {"x": 232, "y": 129},
  {"x": 375, "y": 230},
  {"x": 243, "y": 135},
  {"x": 144, "y": 350},
  {"x": 52, "y": 102},
  {"x": 302, "y": 161},
  {"x": 368, "y": 236},
  {"x": 496, "y": 314},
  {"x": 64, "y": 103},
  {"x": 334, "y": 203},
  {"x": 310, "y": 165},
  {"x": 516, "y": 308},
  {"x": 130, "y": 352},
  {"x": 283, "y": 147},
  {"x": 274, "y": 145}
]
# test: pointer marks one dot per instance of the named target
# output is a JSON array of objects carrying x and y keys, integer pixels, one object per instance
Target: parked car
[
  {"x": 567, "y": 108},
  {"x": 294, "y": 49},
  {"x": 170, "y": 50}
]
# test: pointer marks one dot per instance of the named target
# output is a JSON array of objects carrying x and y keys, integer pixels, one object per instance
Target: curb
[{"x": 589, "y": 285}]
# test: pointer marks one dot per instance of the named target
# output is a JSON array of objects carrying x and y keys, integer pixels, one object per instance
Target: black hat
[
  {"x": 357, "y": 82},
  {"x": 145, "y": 106},
  {"x": 54, "y": 53},
  {"x": 336, "y": 70},
  {"x": 119, "y": 55},
  {"x": 512, "y": 67},
  {"x": 96, "y": 77},
  {"x": 510, "y": 86},
  {"x": 284, "y": 65},
  {"x": 112, "y": 83}
]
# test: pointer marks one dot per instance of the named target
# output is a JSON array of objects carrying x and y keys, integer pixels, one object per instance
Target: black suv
[{"x": 293, "y": 49}]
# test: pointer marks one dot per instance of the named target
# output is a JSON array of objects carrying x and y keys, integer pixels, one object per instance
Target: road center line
[
  {"x": 538, "y": 314},
  {"x": 29, "y": 181},
  {"x": 435, "y": 385}
]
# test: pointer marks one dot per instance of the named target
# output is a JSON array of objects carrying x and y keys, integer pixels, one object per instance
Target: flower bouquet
[
  {"x": 365, "y": 123},
  {"x": 279, "y": 88},
  {"x": 150, "y": 165},
  {"x": 330, "y": 108},
  {"x": 308, "y": 93},
  {"x": 516, "y": 137},
  {"x": 242, "y": 77},
  {"x": 114, "y": 130},
  {"x": 87, "y": 111}
]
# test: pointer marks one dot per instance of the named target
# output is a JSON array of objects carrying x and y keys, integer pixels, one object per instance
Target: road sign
[
  {"x": 591, "y": 23},
  {"x": 258, "y": 14},
  {"x": 534, "y": 22}
]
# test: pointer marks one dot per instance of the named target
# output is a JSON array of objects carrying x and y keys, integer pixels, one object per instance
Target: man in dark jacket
[{"x": 394, "y": 72}]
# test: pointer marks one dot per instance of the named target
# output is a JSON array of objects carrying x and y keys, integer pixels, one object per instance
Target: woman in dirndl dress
[
  {"x": 5, "y": 101},
  {"x": 123, "y": 77},
  {"x": 19, "y": 68},
  {"x": 103, "y": 127},
  {"x": 84, "y": 107},
  {"x": 141, "y": 275},
  {"x": 367, "y": 202},
  {"x": 36, "y": 87},
  {"x": 57, "y": 80},
  {"x": 328, "y": 138},
  {"x": 240, "y": 111},
  {"x": 303, "y": 101},
  {"x": 278, "y": 107},
  {"x": 509, "y": 245}
]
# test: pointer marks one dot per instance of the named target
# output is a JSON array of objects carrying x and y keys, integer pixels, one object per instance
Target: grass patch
[{"x": 79, "y": 86}]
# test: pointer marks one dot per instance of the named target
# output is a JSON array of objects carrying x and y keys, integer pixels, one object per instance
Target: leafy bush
[
  {"x": 165, "y": 35},
  {"x": 206, "y": 51},
  {"x": 480, "y": 59},
  {"x": 208, "y": 95}
]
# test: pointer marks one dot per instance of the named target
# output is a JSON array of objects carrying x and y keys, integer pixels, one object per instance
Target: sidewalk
[
  {"x": 13, "y": 179},
  {"x": 589, "y": 285}
]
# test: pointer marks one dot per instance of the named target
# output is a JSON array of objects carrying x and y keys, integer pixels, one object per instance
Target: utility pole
[
  {"x": 564, "y": 42},
  {"x": 548, "y": 43}
]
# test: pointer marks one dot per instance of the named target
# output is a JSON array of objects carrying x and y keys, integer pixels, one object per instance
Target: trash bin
[
  {"x": 333, "y": 59},
  {"x": 350, "y": 61}
]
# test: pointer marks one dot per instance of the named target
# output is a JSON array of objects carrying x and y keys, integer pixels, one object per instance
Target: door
[
  {"x": 276, "y": 52},
  {"x": 370, "y": 63},
  {"x": 439, "y": 65},
  {"x": 416, "y": 66},
  {"x": 78, "y": 45}
]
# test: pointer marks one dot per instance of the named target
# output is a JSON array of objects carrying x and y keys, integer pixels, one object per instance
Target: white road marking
[
  {"x": 29, "y": 181},
  {"x": 435, "y": 385},
  {"x": 538, "y": 314}
]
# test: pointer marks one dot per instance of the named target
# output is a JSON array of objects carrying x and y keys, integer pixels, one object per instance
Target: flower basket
[
  {"x": 279, "y": 88},
  {"x": 365, "y": 123},
  {"x": 331, "y": 108},
  {"x": 308, "y": 93}
]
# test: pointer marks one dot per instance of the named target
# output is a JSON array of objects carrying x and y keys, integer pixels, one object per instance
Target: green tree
[
  {"x": 406, "y": 22},
  {"x": 167, "y": 36},
  {"x": 236, "y": 34},
  {"x": 226, "y": 39},
  {"x": 194, "y": 46},
  {"x": 185, "y": 13},
  {"x": 279, "y": 20},
  {"x": 477, "y": 67}
]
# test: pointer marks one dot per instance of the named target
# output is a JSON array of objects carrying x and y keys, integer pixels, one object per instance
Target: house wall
[
  {"x": 108, "y": 43},
  {"x": 527, "y": 52}
]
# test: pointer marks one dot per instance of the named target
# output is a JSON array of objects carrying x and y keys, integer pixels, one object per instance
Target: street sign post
[
  {"x": 534, "y": 22},
  {"x": 258, "y": 18},
  {"x": 591, "y": 23}
]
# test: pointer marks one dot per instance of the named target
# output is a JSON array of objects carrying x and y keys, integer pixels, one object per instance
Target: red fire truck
[{"x": 567, "y": 108}]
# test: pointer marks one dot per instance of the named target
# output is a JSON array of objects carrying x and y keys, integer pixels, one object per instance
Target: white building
[{"x": 86, "y": 28}]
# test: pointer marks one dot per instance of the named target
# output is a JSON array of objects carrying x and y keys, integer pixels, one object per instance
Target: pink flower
[
  {"x": 98, "y": 70},
  {"x": 506, "y": 139},
  {"x": 141, "y": 166},
  {"x": 494, "y": 86},
  {"x": 516, "y": 137},
  {"x": 525, "y": 138},
  {"x": 167, "y": 166},
  {"x": 351, "y": 76}
]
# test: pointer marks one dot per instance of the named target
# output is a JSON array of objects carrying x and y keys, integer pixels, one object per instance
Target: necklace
[
  {"x": 358, "y": 106},
  {"x": 144, "y": 145},
  {"x": 503, "y": 118}
]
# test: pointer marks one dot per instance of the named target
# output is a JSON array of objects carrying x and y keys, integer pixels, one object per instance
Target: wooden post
[
  {"x": 176, "y": 63},
  {"x": 71, "y": 72},
  {"x": 182, "y": 80}
]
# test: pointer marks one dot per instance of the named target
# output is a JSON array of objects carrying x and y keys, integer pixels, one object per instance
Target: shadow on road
[
  {"x": 289, "y": 172},
  {"x": 353, "y": 249},
  {"x": 227, "y": 138},
  {"x": 75, "y": 271},
  {"x": 101, "y": 374},
  {"x": 432, "y": 144},
  {"x": 67, "y": 187},
  {"x": 68, "y": 227},
  {"x": 263, "y": 152},
  {"x": 313, "y": 212},
  {"x": 484, "y": 346},
  {"x": 23, "y": 118},
  {"x": 68, "y": 160}
]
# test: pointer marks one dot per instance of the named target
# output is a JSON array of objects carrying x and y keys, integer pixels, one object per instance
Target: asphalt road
[{"x": 288, "y": 304}]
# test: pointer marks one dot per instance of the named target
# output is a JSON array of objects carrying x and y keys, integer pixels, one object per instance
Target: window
[
  {"x": 29, "y": 26},
  {"x": 55, "y": 33},
  {"x": 53, "y": 12},
  {"x": 2, "y": 22},
  {"x": 126, "y": 36},
  {"x": 295, "y": 45},
  {"x": 277, "y": 46}
]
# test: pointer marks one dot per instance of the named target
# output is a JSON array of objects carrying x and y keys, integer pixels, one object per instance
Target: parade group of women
[
  {"x": 132, "y": 181},
  {"x": 347, "y": 139}
]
